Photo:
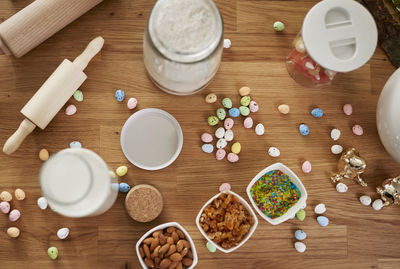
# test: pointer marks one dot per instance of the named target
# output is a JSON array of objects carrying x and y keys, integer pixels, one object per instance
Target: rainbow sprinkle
[{"x": 274, "y": 193}]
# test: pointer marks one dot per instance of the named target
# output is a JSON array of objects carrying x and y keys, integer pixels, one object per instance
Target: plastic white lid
[{"x": 340, "y": 35}]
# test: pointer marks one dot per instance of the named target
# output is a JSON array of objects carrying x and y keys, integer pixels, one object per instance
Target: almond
[
  {"x": 156, "y": 250},
  {"x": 156, "y": 233},
  {"x": 186, "y": 244},
  {"x": 176, "y": 257},
  {"x": 189, "y": 254},
  {"x": 146, "y": 251},
  {"x": 184, "y": 252},
  {"x": 173, "y": 265},
  {"x": 172, "y": 250},
  {"x": 179, "y": 266},
  {"x": 157, "y": 261},
  {"x": 170, "y": 240},
  {"x": 141, "y": 252},
  {"x": 175, "y": 236},
  {"x": 164, "y": 249},
  {"x": 154, "y": 244},
  {"x": 180, "y": 234},
  {"x": 163, "y": 239},
  {"x": 171, "y": 230},
  {"x": 187, "y": 261},
  {"x": 149, "y": 262},
  {"x": 179, "y": 245},
  {"x": 165, "y": 263},
  {"x": 148, "y": 241}
]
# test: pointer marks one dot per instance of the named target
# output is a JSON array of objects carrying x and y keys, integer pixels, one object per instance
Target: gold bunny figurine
[
  {"x": 390, "y": 191},
  {"x": 350, "y": 166}
]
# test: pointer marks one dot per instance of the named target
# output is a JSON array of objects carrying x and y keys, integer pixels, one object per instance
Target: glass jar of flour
[
  {"x": 183, "y": 45},
  {"x": 78, "y": 183},
  {"x": 337, "y": 36}
]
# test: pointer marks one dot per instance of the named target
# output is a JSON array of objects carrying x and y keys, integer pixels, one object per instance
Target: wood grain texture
[{"x": 357, "y": 237}]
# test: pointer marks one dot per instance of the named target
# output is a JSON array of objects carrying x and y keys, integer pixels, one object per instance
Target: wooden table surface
[{"x": 357, "y": 237}]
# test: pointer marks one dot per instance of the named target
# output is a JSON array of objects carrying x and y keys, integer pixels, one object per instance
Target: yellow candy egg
[
  {"x": 244, "y": 91},
  {"x": 122, "y": 170},
  {"x": 44, "y": 155},
  {"x": 236, "y": 148},
  {"x": 13, "y": 232},
  {"x": 5, "y": 196},
  {"x": 19, "y": 194}
]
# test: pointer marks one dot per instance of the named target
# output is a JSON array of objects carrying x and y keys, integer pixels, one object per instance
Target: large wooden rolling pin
[
  {"x": 37, "y": 22},
  {"x": 53, "y": 95}
]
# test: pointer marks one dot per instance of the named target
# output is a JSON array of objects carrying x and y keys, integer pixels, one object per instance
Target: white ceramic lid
[{"x": 340, "y": 35}]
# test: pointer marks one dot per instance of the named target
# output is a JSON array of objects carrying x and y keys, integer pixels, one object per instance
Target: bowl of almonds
[{"x": 168, "y": 245}]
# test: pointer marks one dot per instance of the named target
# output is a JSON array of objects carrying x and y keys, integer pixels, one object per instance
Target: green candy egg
[
  {"x": 244, "y": 110},
  {"x": 53, "y": 253},
  {"x": 211, "y": 247},
  {"x": 227, "y": 103},
  {"x": 221, "y": 113},
  {"x": 212, "y": 120},
  {"x": 78, "y": 95},
  {"x": 279, "y": 26},
  {"x": 301, "y": 214},
  {"x": 245, "y": 101}
]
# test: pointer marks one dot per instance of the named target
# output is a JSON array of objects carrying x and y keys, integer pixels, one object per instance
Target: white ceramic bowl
[
  {"x": 293, "y": 178},
  {"x": 161, "y": 227},
  {"x": 243, "y": 201}
]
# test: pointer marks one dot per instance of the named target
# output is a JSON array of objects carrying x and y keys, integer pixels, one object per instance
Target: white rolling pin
[
  {"x": 37, "y": 22},
  {"x": 53, "y": 95}
]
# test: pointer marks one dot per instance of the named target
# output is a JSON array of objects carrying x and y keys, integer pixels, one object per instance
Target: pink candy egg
[
  {"x": 14, "y": 215},
  {"x": 228, "y": 123},
  {"x": 225, "y": 187},
  {"x": 248, "y": 122},
  {"x": 220, "y": 154},
  {"x": 5, "y": 207},
  {"x": 70, "y": 110},
  {"x": 206, "y": 137},
  {"x": 253, "y": 106},
  {"x": 357, "y": 130},
  {"x": 348, "y": 109},
  {"x": 132, "y": 103},
  {"x": 306, "y": 167},
  {"x": 232, "y": 157}
]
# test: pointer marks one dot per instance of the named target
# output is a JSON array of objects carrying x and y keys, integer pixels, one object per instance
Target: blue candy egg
[
  {"x": 317, "y": 112},
  {"x": 120, "y": 95},
  {"x": 300, "y": 235},
  {"x": 207, "y": 148},
  {"x": 234, "y": 112},
  {"x": 323, "y": 221},
  {"x": 124, "y": 187},
  {"x": 304, "y": 130},
  {"x": 75, "y": 144}
]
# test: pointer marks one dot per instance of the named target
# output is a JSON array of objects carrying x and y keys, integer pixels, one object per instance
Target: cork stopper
[{"x": 144, "y": 203}]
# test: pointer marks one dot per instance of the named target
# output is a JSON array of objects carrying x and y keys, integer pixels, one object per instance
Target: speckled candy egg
[
  {"x": 119, "y": 95},
  {"x": 234, "y": 112},
  {"x": 221, "y": 113},
  {"x": 253, "y": 106},
  {"x": 260, "y": 129},
  {"x": 245, "y": 101},
  {"x": 336, "y": 149},
  {"x": 220, "y": 154},
  {"x": 300, "y": 235},
  {"x": 211, "y": 247},
  {"x": 335, "y": 134},
  {"x": 132, "y": 103},
  {"x": 317, "y": 112},
  {"x": 211, "y": 98},
  {"x": 14, "y": 215},
  {"x": 42, "y": 203},
  {"x": 341, "y": 187},
  {"x": 71, "y": 110},
  {"x": 206, "y": 138},
  {"x": 13, "y": 232},
  {"x": 5, "y": 207},
  {"x": 377, "y": 204},
  {"x": 348, "y": 109},
  {"x": 357, "y": 130},
  {"x": 228, "y": 135},
  {"x": 75, "y": 145},
  {"x": 274, "y": 152},
  {"x": 303, "y": 129},
  {"x": 306, "y": 167},
  {"x": 207, "y": 148},
  {"x": 323, "y": 221},
  {"x": 78, "y": 95},
  {"x": 220, "y": 132},
  {"x": 52, "y": 252},
  {"x": 248, "y": 123},
  {"x": 19, "y": 194},
  {"x": 232, "y": 157},
  {"x": 284, "y": 109},
  {"x": 244, "y": 91},
  {"x": 365, "y": 200},
  {"x": 227, "y": 103},
  {"x": 5, "y": 196},
  {"x": 44, "y": 155},
  {"x": 212, "y": 120},
  {"x": 122, "y": 170},
  {"x": 221, "y": 143},
  {"x": 228, "y": 123},
  {"x": 301, "y": 214},
  {"x": 236, "y": 148},
  {"x": 244, "y": 110},
  {"x": 124, "y": 187},
  {"x": 300, "y": 247},
  {"x": 63, "y": 233},
  {"x": 227, "y": 45},
  {"x": 320, "y": 209}
]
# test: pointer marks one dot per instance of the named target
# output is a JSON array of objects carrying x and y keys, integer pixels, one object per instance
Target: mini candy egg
[
  {"x": 14, "y": 215},
  {"x": 228, "y": 123},
  {"x": 248, "y": 122},
  {"x": 284, "y": 109},
  {"x": 301, "y": 214},
  {"x": 71, "y": 110},
  {"x": 52, "y": 252},
  {"x": 225, "y": 187},
  {"x": 221, "y": 143},
  {"x": 320, "y": 209},
  {"x": 63, "y": 233},
  {"x": 228, "y": 135},
  {"x": 357, "y": 130},
  {"x": 5, "y": 196},
  {"x": 234, "y": 112},
  {"x": 300, "y": 235},
  {"x": 44, "y": 155},
  {"x": 227, "y": 103},
  {"x": 227, "y": 43},
  {"x": 377, "y": 204},
  {"x": 348, "y": 109},
  {"x": 253, "y": 106},
  {"x": 212, "y": 120},
  {"x": 232, "y": 157},
  {"x": 132, "y": 103},
  {"x": 341, "y": 187},
  {"x": 365, "y": 200},
  {"x": 236, "y": 148},
  {"x": 323, "y": 221},
  {"x": 75, "y": 145},
  {"x": 120, "y": 95},
  {"x": 211, "y": 247},
  {"x": 335, "y": 134},
  {"x": 13, "y": 232},
  {"x": 206, "y": 138},
  {"x": 220, "y": 154},
  {"x": 336, "y": 149},
  {"x": 220, "y": 132},
  {"x": 207, "y": 148},
  {"x": 260, "y": 129},
  {"x": 245, "y": 100},
  {"x": 244, "y": 91},
  {"x": 306, "y": 167},
  {"x": 304, "y": 130},
  {"x": 317, "y": 112},
  {"x": 279, "y": 26},
  {"x": 244, "y": 110},
  {"x": 42, "y": 203},
  {"x": 124, "y": 187},
  {"x": 5, "y": 207},
  {"x": 274, "y": 152},
  {"x": 221, "y": 114},
  {"x": 121, "y": 171},
  {"x": 19, "y": 194},
  {"x": 78, "y": 95},
  {"x": 211, "y": 98},
  {"x": 300, "y": 247}
]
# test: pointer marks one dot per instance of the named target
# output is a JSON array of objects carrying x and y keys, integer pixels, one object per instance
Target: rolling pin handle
[
  {"x": 25, "y": 128},
  {"x": 3, "y": 48},
  {"x": 91, "y": 50}
]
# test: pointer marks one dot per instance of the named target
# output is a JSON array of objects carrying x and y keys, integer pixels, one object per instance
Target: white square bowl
[
  {"x": 294, "y": 179},
  {"x": 162, "y": 227},
  {"x": 248, "y": 207}
]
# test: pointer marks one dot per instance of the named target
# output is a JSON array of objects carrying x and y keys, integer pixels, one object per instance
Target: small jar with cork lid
[{"x": 337, "y": 36}]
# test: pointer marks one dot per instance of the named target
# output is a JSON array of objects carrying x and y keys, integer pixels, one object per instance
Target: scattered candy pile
[
  {"x": 13, "y": 215},
  {"x": 319, "y": 210}
]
